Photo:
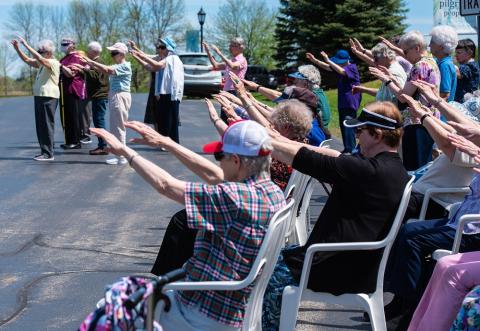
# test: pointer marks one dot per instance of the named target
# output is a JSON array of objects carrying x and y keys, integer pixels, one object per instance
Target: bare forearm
[
  {"x": 158, "y": 178},
  {"x": 321, "y": 64},
  {"x": 102, "y": 68},
  {"x": 369, "y": 90},
  {"x": 439, "y": 134},
  {"x": 269, "y": 93},
  {"x": 365, "y": 58},
  {"x": 335, "y": 67},
  {"x": 202, "y": 167},
  {"x": 252, "y": 111}
]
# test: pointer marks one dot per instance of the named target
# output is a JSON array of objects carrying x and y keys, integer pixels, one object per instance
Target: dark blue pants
[
  {"x": 99, "y": 109},
  {"x": 408, "y": 267},
  {"x": 416, "y": 147},
  {"x": 45, "y": 122},
  {"x": 348, "y": 134},
  {"x": 166, "y": 116}
]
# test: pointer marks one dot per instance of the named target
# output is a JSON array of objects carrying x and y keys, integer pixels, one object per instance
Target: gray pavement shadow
[
  {"x": 77, "y": 162},
  {"x": 330, "y": 310}
]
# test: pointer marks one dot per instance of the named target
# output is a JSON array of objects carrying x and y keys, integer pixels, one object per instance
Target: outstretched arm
[
  {"x": 158, "y": 178},
  {"x": 216, "y": 65},
  {"x": 202, "y": 167},
  {"x": 23, "y": 56},
  {"x": 317, "y": 62}
]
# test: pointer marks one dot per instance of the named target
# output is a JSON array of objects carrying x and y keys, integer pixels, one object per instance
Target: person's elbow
[{"x": 214, "y": 177}]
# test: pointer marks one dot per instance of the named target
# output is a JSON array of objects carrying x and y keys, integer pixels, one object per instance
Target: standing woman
[
  {"x": 154, "y": 77},
  {"x": 119, "y": 98},
  {"x": 237, "y": 64},
  {"x": 168, "y": 86},
  {"x": 45, "y": 92}
]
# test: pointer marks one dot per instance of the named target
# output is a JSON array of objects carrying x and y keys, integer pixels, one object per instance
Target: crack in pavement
[{"x": 22, "y": 294}]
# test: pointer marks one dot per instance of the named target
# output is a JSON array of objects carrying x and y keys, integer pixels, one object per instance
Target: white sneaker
[
  {"x": 122, "y": 160},
  {"x": 112, "y": 161}
]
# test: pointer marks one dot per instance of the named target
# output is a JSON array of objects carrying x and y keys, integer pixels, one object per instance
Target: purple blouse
[
  {"x": 346, "y": 99},
  {"x": 75, "y": 85}
]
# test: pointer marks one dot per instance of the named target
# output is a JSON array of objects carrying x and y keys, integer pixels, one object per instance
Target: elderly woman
[
  {"x": 119, "y": 98},
  {"x": 416, "y": 143},
  {"x": 168, "y": 86},
  {"x": 385, "y": 57},
  {"x": 467, "y": 71},
  {"x": 45, "y": 92},
  {"x": 443, "y": 43}
]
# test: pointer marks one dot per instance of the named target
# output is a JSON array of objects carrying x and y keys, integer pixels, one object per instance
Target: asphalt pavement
[{"x": 72, "y": 226}]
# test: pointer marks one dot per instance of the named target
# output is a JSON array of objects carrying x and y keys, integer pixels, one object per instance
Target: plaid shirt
[{"x": 232, "y": 220}]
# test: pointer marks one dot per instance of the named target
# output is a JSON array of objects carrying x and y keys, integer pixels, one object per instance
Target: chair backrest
[
  {"x": 387, "y": 242},
  {"x": 299, "y": 181},
  {"x": 265, "y": 263},
  {"x": 304, "y": 214},
  {"x": 326, "y": 143}
]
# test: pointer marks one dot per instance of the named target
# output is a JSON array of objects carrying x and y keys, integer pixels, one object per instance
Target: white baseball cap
[
  {"x": 242, "y": 138},
  {"x": 120, "y": 47}
]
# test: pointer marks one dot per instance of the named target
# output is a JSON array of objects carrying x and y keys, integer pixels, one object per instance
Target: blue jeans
[
  {"x": 417, "y": 147},
  {"x": 408, "y": 268},
  {"x": 99, "y": 108},
  {"x": 348, "y": 134}
]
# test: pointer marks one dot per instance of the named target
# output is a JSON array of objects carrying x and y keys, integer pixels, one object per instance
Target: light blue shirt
[
  {"x": 448, "y": 74},
  {"x": 121, "y": 80}
]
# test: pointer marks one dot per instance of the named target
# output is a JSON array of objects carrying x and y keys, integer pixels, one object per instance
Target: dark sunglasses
[
  {"x": 161, "y": 47},
  {"x": 41, "y": 51},
  {"x": 218, "y": 156},
  {"x": 65, "y": 44},
  {"x": 359, "y": 130},
  {"x": 114, "y": 53}
]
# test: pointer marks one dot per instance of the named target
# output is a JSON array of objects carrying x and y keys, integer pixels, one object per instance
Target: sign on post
[{"x": 469, "y": 7}]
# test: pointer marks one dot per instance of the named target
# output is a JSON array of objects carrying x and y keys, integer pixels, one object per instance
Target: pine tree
[{"x": 316, "y": 25}]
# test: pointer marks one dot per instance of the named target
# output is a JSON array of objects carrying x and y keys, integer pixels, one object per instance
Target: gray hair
[
  {"x": 412, "y": 39},
  {"x": 95, "y": 46},
  {"x": 312, "y": 74},
  {"x": 446, "y": 37},
  {"x": 47, "y": 45},
  {"x": 238, "y": 41},
  {"x": 258, "y": 165},
  {"x": 382, "y": 50},
  {"x": 295, "y": 115}
]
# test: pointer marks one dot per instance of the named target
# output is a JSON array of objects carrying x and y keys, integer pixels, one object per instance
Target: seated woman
[
  {"x": 468, "y": 318},
  {"x": 454, "y": 276}
]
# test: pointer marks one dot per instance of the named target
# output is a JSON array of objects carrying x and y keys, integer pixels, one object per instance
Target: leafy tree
[
  {"x": 252, "y": 20},
  {"x": 312, "y": 25}
]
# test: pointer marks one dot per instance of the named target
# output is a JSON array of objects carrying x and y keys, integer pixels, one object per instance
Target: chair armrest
[
  {"x": 210, "y": 285},
  {"x": 469, "y": 218},
  {"x": 453, "y": 209},
  {"x": 437, "y": 191},
  {"x": 439, "y": 253}
]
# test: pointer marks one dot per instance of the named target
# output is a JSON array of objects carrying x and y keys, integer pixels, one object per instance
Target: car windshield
[{"x": 199, "y": 60}]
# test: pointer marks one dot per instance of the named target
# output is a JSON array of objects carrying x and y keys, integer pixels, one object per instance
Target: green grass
[{"x": 332, "y": 101}]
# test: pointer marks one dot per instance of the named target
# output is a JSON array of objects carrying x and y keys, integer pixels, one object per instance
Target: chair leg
[
  {"x": 377, "y": 314},
  {"x": 290, "y": 303}
]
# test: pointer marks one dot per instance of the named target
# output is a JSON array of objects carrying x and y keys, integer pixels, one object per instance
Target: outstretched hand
[
  {"x": 239, "y": 86},
  {"x": 325, "y": 56},
  {"x": 470, "y": 131},
  {"x": 252, "y": 86},
  {"x": 115, "y": 146},
  {"x": 149, "y": 136},
  {"x": 416, "y": 109},
  {"x": 310, "y": 57},
  {"x": 429, "y": 91},
  {"x": 465, "y": 146}
]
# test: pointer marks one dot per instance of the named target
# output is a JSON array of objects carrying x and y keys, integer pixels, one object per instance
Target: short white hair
[
  {"x": 382, "y": 50},
  {"x": 238, "y": 41},
  {"x": 412, "y": 39},
  {"x": 47, "y": 45},
  {"x": 446, "y": 37},
  {"x": 312, "y": 74},
  {"x": 95, "y": 46}
]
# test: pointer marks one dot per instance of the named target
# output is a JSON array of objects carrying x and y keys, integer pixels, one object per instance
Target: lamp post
[{"x": 201, "y": 19}]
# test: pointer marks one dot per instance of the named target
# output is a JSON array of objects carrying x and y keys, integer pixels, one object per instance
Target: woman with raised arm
[
  {"x": 168, "y": 86},
  {"x": 45, "y": 91}
]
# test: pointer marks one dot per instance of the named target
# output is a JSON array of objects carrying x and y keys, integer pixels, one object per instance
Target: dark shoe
[
  {"x": 401, "y": 322},
  {"x": 98, "y": 151},
  {"x": 43, "y": 157},
  {"x": 71, "y": 146},
  {"x": 85, "y": 140},
  {"x": 392, "y": 310}
]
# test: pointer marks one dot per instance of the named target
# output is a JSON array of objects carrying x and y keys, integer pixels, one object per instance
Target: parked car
[
  {"x": 260, "y": 75},
  {"x": 200, "y": 77}
]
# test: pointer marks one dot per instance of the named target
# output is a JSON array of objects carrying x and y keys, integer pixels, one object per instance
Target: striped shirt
[{"x": 232, "y": 219}]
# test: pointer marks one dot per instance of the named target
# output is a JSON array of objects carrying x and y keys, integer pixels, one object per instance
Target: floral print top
[
  {"x": 468, "y": 318},
  {"x": 427, "y": 70}
]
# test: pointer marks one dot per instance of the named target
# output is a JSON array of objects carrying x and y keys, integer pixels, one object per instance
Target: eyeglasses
[
  {"x": 65, "y": 44},
  {"x": 359, "y": 130},
  {"x": 161, "y": 47},
  {"x": 114, "y": 53},
  {"x": 41, "y": 51},
  {"x": 218, "y": 156}
]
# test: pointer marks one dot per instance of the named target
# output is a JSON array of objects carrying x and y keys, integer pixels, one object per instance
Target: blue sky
[{"x": 420, "y": 15}]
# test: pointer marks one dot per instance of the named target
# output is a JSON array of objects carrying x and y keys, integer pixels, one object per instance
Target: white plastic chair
[
  {"x": 369, "y": 302},
  {"x": 439, "y": 253},
  {"x": 302, "y": 220},
  {"x": 431, "y": 193},
  {"x": 300, "y": 182},
  {"x": 260, "y": 273}
]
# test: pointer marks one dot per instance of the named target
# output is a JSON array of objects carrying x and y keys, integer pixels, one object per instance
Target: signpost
[{"x": 472, "y": 7}]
